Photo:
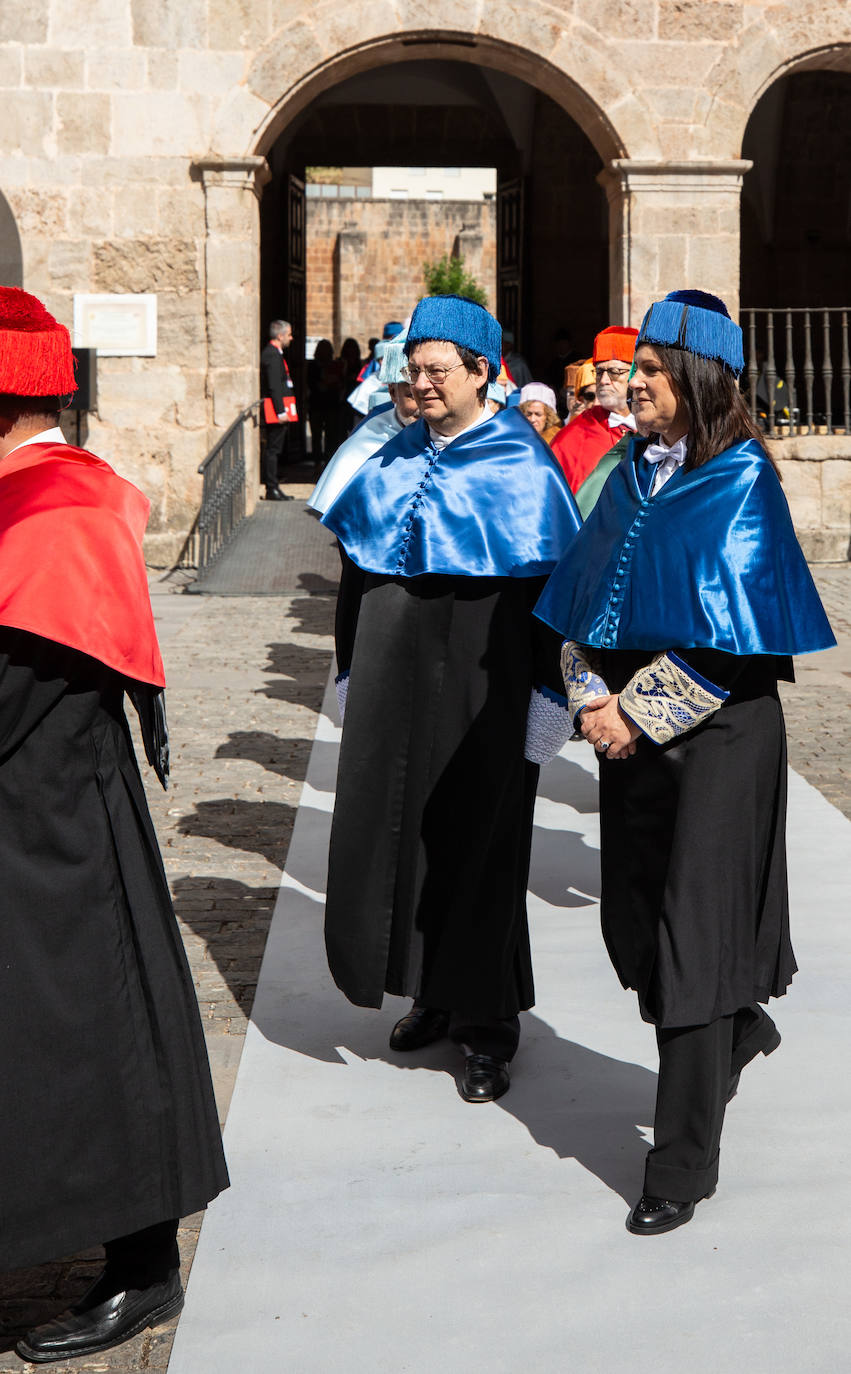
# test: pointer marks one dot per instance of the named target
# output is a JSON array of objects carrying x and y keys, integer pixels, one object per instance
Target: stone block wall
[
  {"x": 816, "y": 474},
  {"x": 135, "y": 132},
  {"x": 365, "y": 258}
]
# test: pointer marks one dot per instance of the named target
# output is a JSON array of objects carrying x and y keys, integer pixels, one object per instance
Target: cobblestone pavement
[
  {"x": 246, "y": 677},
  {"x": 818, "y": 718}
]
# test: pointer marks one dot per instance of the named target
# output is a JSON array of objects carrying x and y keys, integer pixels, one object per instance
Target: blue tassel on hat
[
  {"x": 454, "y": 319},
  {"x": 394, "y": 360},
  {"x": 696, "y": 322}
]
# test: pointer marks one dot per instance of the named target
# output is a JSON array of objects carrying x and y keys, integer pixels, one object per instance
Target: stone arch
[
  {"x": 575, "y": 69},
  {"x": 764, "y": 55},
  {"x": 11, "y": 255}
]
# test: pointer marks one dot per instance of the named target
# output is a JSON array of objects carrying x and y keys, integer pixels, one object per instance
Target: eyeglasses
[
  {"x": 436, "y": 375},
  {"x": 614, "y": 373}
]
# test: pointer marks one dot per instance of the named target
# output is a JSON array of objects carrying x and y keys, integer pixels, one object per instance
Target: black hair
[
  {"x": 15, "y": 408},
  {"x": 468, "y": 358},
  {"x": 709, "y": 393}
]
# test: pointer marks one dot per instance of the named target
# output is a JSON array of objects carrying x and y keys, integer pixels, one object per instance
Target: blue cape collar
[
  {"x": 492, "y": 503},
  {"x": 710, "y": 561}
]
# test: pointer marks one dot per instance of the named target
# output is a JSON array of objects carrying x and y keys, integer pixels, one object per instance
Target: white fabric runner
[{"x": 377, "y": 1224}]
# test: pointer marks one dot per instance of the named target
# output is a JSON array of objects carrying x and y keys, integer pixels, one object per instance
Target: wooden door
[
  {"x": 510, "y": 256},
  {"x": 295, "y": 290}
]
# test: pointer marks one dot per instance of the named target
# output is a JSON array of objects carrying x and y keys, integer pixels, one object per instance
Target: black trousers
[
  {"x": 276, "y": 443},
  {"x": 142, "y": 1258},
  {"x": 695, "y": 1065},
  {"x": 496, "y": 1036}
]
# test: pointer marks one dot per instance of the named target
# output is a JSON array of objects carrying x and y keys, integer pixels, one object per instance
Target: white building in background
[
  {"x": 433, "y": 183},
  {"x": 403, "y": 183}
]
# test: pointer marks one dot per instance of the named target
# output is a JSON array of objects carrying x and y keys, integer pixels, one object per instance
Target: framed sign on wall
[{"x": 118, "y": 326}]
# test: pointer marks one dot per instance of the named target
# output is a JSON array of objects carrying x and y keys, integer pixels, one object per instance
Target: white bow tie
[{"x": 660, "y": 453}]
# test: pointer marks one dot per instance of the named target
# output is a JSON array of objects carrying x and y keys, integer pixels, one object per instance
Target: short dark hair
[
  {"x": 471, "y": 362},
  {"x": 717, "y": 414},
  {"x": 15, "y": 408},
  {"x": 468, "y": 358}
]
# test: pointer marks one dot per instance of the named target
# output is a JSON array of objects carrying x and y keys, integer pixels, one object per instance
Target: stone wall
[
  {"x": 365, "y": 258},
  {"x": 134, "y": 135},
  {"x": 816, "y": 474}
]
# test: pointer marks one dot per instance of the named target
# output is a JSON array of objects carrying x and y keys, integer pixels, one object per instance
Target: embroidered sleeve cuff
[
  {"x": 666, "y": 698},
  {"x": 548, "y": 725},
  {"x": 341, "y": 686},
  {"x": 581, "y": 683}
]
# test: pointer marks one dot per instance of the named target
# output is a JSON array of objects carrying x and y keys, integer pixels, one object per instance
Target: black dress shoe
[
  {"x": 275, "y": 494},
  {"x": 422, "y": 1026},
  {"x": 764, "y": 1040},
  {"x": 91, "y": 1327},
  {"x": 485, "y": 1078},
  {"x": 652, "y": 1215}
]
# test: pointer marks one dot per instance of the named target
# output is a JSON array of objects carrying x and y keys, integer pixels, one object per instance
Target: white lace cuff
[
  {"x": 666, "y": 698},
  {"x": 581, "y": 683},
  {"x": 341, "y": 687},
  {"x": 548, "y": 725}
]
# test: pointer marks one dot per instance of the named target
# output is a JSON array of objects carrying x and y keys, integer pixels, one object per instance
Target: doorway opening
[{"x": 549, "y": 214}]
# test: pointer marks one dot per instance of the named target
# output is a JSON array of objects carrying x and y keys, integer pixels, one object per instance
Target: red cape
[
  {"x": 581, "y": 444},
  {"x": 71, "y": 565}
]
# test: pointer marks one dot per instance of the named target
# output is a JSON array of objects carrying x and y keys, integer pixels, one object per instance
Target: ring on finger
[{"x": 603, "y": 745}]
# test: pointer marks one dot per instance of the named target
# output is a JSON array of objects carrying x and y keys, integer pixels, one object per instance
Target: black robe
[
  {"x": 432, "y": 826},
  {"x": 110, "y": 1122},
  {"x": 695, "y": 907}
]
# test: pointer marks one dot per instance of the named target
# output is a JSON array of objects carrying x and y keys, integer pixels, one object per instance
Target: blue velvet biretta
[
  {"x": 391, "y": 329},
  {"x": 454, "y": 319},
  {"x": 696, "y": 322}
]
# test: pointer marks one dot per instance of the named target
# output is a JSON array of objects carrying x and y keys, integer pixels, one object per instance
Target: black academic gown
[
  {"x": 432, "y": 825},
  {"x": 695, "y": 907},
  {"x": 110, "y": 1123}
]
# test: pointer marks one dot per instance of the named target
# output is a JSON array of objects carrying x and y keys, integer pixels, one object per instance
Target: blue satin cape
[
  {"x": 365, "y": 439},
  {"x": 711, "y": 562},
  {"x": 493, "y": 503}
]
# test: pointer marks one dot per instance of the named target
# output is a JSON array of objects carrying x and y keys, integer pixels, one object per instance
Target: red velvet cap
[
  {"x": 35, "y": 349},
  {"x": 618, "y": 341}
]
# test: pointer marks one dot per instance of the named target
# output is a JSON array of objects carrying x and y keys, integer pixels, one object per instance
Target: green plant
[{"x": 447, "y": 276}]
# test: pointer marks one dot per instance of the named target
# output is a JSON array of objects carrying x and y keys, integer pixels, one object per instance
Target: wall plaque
[{"x": 118, "y": 326}]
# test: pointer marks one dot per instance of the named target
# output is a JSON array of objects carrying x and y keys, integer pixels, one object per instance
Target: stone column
[
  {"x": 671, "y": 225},
  {"x": 232, "y": 190},
  {"x": 350, "y": 283}
]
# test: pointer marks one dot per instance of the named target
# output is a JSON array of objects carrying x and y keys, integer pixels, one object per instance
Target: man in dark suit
[{"x": 276, "y": 383}]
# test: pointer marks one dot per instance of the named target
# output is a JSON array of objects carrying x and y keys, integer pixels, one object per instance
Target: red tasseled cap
[
  {"x": 618, "y": 341},
  {"x": 35, "y": 349}
]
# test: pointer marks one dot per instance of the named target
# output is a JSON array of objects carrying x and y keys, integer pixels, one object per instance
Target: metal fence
[
  {"x": 223, "y": 494},
  {"x": 797, "y": 377}
]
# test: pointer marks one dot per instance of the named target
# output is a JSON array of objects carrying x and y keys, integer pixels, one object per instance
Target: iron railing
[
  {"x": 223, "y": 495},
  {"x": 797, "y": 376}
]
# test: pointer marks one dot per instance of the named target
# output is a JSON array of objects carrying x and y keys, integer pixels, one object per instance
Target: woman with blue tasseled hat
[{"x": 682, "y": 601}]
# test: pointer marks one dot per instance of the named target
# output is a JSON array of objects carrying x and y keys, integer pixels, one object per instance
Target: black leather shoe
[
  {"x": 89, "y": 1328},
  {"x": 485, "y": 1079},
  {"x": 765, "y": 1040},
  {"x": 422, "y": 1026},
  {"x": 275, "y": 494},
  {"x": 652, "y": 1215}
]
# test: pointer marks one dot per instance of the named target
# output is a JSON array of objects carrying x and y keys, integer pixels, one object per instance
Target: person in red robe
[
  {"x": 582, "y": 443},
  {"x": 114, "y": 1134}
]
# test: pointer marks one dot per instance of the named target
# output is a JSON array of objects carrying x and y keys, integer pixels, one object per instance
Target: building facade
[{"x": 150, "y": 148}]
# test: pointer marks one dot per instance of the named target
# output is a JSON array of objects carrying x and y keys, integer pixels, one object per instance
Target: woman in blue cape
[
  {"x": 448, "y": 534},
  {"x": 681, "y": 602}
]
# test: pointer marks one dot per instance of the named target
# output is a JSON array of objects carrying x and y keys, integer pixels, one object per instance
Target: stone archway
[
  {"x": 11, "y": 255},
  {"x": 309, "y": 54}
]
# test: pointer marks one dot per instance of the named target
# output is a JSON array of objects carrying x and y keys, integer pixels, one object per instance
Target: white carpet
[{"x": 378, "y": 1223}]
